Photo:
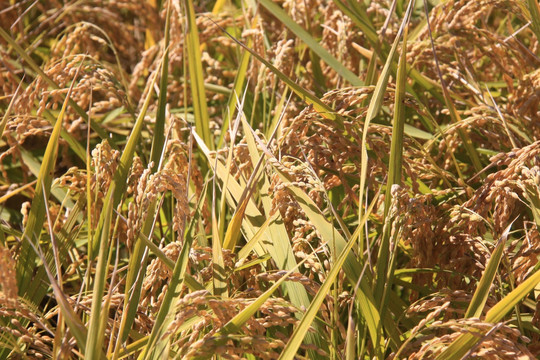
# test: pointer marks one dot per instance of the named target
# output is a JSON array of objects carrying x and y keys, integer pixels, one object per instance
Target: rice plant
[{"x": 263, "y": 179}]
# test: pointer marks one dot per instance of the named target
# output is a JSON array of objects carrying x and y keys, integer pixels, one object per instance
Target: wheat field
[{"x": 269, "y": 179}]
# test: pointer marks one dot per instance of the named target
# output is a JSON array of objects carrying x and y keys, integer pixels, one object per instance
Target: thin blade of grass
[
  {"x": 233, "y": 230},
  {"x": 17, "y": 191},
  {"x": 373, "y": 109},
  {"x": 158, "y": 342},
  {"x": 312, "y": 43},
  {"x": 202, "y": 122},
  {"x": 34, "y": 165},
  {"x": 465, "y": 342},
  {"x": 301, "y": 330},
  {"x": 350, "y": 341},
  {"x": 280, "y": 247},
  {"x": 531, "y": 193},
  {"x": 238, "y": 85},
  {"x": 76, "y": 327},
  {"x": 398, "y": 127},
  {"x": 244, "y": 252},
  {"x": 385, "y": 266},
  {"x": 454, "y": 115},
  {"x": 158, "y": 140},
  {"x": 218, "y": 262},
  {"x": 363, "y": 22},
  {"x": 357, "y": 12},
  {"x": 95, "y": 334},
  {"x": 137, "y": 263},
  {"x": 482, "y": 290},
  {"x": 8, "y": 110},
  {"x": 323, "y": 109},
  {"x": 534, "y": 9},
  {"x": 352, "y": 266},
  {"x": 259, "y": 260},
  {"x": 136, "y": 272},
  {"x": 234, "y": 325},
  {"x": 36, "y": 217}
]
